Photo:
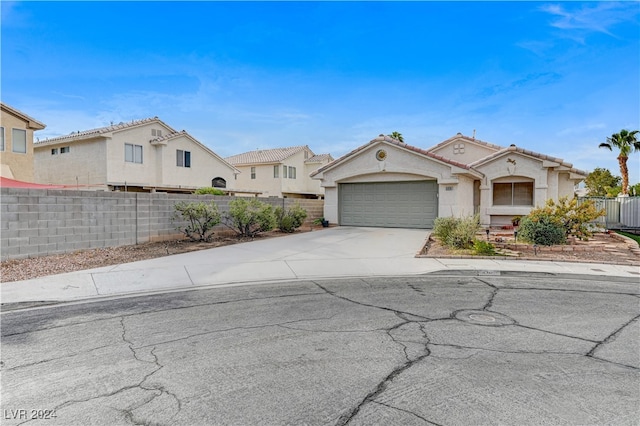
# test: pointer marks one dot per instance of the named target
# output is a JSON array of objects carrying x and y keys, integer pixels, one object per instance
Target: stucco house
[
  {"x": 280, "y": 172},
  {"x": 387, "y": 183},
  {"x": 16, "y": 143},
  {"x": 143, "y": 155}
]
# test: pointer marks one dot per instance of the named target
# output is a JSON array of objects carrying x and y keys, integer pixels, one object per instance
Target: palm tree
[
  {"x": 397, "y": 136},
  {"x": 627, "y": 142}
]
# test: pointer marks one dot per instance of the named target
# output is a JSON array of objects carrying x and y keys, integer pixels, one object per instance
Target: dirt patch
[{"x": 24, "y": 269}]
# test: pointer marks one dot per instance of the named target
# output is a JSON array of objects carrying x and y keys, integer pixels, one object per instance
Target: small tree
[
  {"x": 249, "y": 218},
  {"x": 201, "y": 218},
  {"x": 291, "y": 219},
  {"x": 599, "y": 181}
]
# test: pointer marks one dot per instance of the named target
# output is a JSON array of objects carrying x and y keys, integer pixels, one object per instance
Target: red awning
[{"x": 12, "y": 183}]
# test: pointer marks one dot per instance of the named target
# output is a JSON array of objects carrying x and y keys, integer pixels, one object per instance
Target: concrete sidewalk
[{"x": 332, "y": 253}]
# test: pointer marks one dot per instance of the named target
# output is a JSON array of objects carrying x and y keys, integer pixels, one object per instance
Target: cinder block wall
[{"x": 37, "y": 222}]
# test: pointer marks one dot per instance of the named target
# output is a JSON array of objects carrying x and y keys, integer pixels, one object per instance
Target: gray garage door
[{"x": 389, "y": 204}]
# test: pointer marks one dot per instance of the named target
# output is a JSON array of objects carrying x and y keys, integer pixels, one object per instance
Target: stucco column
[
  {"x": 485, "y": 203},
  {"x": 541, "y": 189}
]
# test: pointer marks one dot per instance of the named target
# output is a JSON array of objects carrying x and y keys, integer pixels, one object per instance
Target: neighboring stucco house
[
  {"x": 16, "y": 143},
  {"x": 391, "y": 184},
  {"x": 143, "y": 155},
  {"x": 280, "y": 172}
]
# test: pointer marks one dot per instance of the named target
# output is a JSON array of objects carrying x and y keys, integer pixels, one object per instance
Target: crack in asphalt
[
  {"x": 407, "y": 318},
  {"x": 381, "y": 387},
  {"x": 150, "y": 311},
  {"x": 345, "y": 418},
  {"x": 408, "y": 412}
]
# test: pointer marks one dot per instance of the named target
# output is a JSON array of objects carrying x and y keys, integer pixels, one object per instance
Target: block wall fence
[{"x": 38, "y": 222}]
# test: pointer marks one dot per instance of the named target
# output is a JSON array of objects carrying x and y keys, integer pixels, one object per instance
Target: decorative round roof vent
[{"x": 381, "y": 155}]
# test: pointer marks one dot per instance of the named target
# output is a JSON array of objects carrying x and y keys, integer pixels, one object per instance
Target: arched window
[{"x": 218, "y": 182}]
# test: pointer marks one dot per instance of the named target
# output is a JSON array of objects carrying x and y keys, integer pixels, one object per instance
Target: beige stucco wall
[
  {"x": 275, "y": 187},
  {"x": 85, "y": 160},
  {"x": 264, "y": 181},
  {"x": 16, "y": 165},
  {"x": 102, "y": 161},
  {"x": 472, "y": 151},
  {"x": 526, "y": 169}
]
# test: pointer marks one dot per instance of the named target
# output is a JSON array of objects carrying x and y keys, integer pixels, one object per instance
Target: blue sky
[{"x": 552, "y": 77}]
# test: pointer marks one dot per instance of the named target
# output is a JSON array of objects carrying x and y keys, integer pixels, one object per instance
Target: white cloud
[{"x": 591, "y": 17}]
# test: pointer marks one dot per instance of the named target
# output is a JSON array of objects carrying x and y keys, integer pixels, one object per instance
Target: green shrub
[
  {"x": 443, "y": 227},
  {"x": 249, "y": 218},
  {"x": 483, "y": 248},
  {"x": 576, "y": 219},
  {"x": 201, "y": 218},
  {"x": 208, "y": 190},
  {"x": 542, "y": 229},
  {"x": 457, "y": 233},
  {"x": 291, "y": 219}
]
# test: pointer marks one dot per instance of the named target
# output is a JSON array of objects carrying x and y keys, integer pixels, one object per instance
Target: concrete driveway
[{"x": 330, "y": 253}]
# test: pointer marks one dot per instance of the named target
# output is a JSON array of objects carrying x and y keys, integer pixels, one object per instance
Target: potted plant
[
  {"x": 515, "y": 221},
  {"x": 321, "y": 221}
]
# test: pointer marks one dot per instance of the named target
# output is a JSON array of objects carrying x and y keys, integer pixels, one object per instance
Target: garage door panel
[{"x": 389, "y": 204}]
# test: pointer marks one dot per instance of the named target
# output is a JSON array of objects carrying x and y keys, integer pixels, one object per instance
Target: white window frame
[
  {"x": 133, "y": 153},
  {"x": 21, "y": 132},
  {"x": 183, "y": 158},
  {"x": 65, "y": 149},
  {"x": 276, "y": 172},
  {"x": 54, "y": 151},
  {"x": 253, "y": 172},
  {"x": 292, "y": 172},
  {"x": 513, "y": 193},
  {"x": 284, "y": 172}
]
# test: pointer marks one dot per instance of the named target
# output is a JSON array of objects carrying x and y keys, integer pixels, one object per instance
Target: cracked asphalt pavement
[{"x": 454, "y": 348}]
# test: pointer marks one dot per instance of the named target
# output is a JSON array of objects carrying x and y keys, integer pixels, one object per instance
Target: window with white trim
[
  {"x": 1, "y": 138},
  {"x": 183, "y": 158},
  {"x": 54, "y": 151},
  {"x": 132, "y": 153},
  {"x": 156, "y": 132},
  {"x": 276, "y": 171},
  {"x": 253, "y": 172},
  {"x": 19, "y": 140},
  {"x": 284, "y": 172},
  {"x": 64, "y": 149},
  {"x": 513, "y": 194},
  {"x": 292, "y": 172}
]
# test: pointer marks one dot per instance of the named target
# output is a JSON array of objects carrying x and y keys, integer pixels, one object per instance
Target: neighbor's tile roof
[
  {"x": 389, "y": 139},
  {"x": 533, "y": 154},
  {"x": 319, "y": 158},
  {"x": 82, "y": 134},
  {"x": 262, "y": 156}
]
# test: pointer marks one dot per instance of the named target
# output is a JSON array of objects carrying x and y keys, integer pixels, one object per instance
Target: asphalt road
[{"x": 455, "y": 349}]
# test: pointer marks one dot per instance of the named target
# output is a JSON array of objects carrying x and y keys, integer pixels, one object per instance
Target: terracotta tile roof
[
  {"x": 265, "y": 156},
  {"x": 533, "y": 154},
  {"x": 319, "y": 158},
  {"x": 468, "y": 139},
  {"x": 390, "y": 140},
  {"x": 32, "y": 122},
  {"x": 82, "y": 134}
]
